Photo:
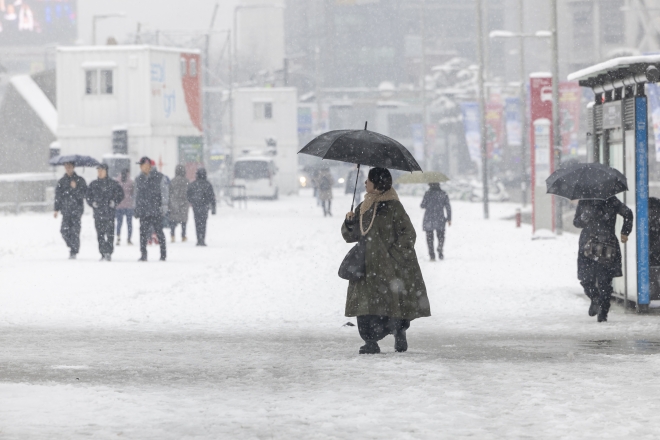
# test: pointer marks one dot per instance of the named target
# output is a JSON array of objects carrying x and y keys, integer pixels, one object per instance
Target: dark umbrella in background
[
  {"x": 362, "y": 147},
  {"x": 586, "y": 181},
  {"x": 76, "y": 159}
]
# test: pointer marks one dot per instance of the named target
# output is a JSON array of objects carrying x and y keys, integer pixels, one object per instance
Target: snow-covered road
[{"x": 244, "y": 339}]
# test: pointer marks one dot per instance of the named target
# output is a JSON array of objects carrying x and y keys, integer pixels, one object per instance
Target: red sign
[
  {"x": 541, "y": 154},
  {"x": 570, "y": 99}
]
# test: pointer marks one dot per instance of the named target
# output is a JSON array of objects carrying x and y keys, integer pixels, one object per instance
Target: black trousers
[
  {"x": 201, "y": 216},
  {"x": 373, "y": 328},
  {"x": 147, "y": 225},
  {"x": 71, "y": 232},
  {"x": 599, "y": 289},
  {"x": 183, "y": 228},
  {"x": 105, "y": 234},
  {"x": 441, "y": 241}
]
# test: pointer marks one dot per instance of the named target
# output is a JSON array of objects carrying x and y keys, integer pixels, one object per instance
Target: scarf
[{"x": 371, "y": 200}]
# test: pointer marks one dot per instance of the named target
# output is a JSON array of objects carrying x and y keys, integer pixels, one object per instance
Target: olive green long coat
[{"x": 393, "y": 285}]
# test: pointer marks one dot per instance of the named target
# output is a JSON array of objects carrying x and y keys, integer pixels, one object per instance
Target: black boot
[
  {"x": 602, "y": 317},
  {"x": 400, "y": 341},
  {"x": 370, "y": 348},
  {"x": 593, "y": 308},
  {"x": 143, "y": 257}
]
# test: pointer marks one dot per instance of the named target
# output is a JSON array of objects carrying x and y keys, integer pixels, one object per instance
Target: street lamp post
[
  {"x": 556, "y": 133},
  {"x": 97, "y": 17},
  {"x": 482, "y": 105},
  {"x": 523, "y": 92}
]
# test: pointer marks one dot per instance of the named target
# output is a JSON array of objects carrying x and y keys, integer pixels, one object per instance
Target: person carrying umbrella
[
  {"x": 386, "y": 289},
  {"x": 69, "y": 196},
  {"x": 599, "y": 253},
  {"x": 104, "y": 195},
  {"x": 436, "y": 203}
]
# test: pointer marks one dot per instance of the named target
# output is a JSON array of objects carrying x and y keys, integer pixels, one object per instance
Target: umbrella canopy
[
  {"x": 584, "y": 181},
  {"x": 419, "y": 177},
  {"x": 76, "y": 159},
  {"x": 362, "y": 147}
]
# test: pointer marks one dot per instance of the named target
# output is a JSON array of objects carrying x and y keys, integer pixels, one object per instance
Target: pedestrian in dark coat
[
  {"x": 151, "y": 205},
  {"x": 127, "y": 206},
  {"x": 325, "y": 182},
  {"x": 179, "y": 201},
  {"x": 202, "y": 198},
  {"x": 104, "y": 195},
  {"x": 392, "y": 293},
  {"x": 597, "y": 218},
  {"x": 69, "y": 200},
  {"x": 436, "y": 203}
]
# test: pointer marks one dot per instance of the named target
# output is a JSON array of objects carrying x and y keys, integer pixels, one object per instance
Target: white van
[{"x": 257, "y": 174}]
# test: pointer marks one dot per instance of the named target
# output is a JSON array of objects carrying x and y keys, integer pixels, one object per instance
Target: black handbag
[
  {"x": 600, "y": 249},
  {"x": 354, "y": 266}
]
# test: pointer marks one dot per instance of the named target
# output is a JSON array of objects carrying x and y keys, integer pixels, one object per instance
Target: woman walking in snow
[
  {"x": 599, "y": 255},
  {"x": 392, "y": 292},
  {"x": 179, "y": 202}
]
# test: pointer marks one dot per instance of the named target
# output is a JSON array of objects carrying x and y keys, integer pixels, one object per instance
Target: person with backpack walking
[
  {"x": 151, "y": 205},
  {"x": 104, "y": 195},
  {"x": 179, "y": 202},
  {"x": 436, "y": 203},
  {"x": 202, "y": 198}
]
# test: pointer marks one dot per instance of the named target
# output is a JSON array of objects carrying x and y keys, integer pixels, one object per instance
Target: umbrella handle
[
  {"x": 357, "y": 177},
  {"x": 365, "y": 124}
]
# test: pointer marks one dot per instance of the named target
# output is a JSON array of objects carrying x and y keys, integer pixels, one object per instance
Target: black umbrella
[
  {"x": 586, "y": 181},
  {"x": 76, "y": 159},
  {"x": 362, "y": 147}
]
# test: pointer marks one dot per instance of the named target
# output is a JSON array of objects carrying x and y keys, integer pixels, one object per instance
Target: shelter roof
[{"x": 639, "y": 69}]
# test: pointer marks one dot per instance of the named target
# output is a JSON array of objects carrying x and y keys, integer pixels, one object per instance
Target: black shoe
[
  {"x": 400, "y": 342},
  {"x": 72, "y": 256},
  {"x": 370, "y": 348},
  {"x": 442, "y": 257},
  {"x": 602, "y": 317},
  {"x": 163, "y": 258},
  {"x": 108, "y": 257},
  {"x": 593, "y": 308},
  {"x": 143, "y": 257},
  {"x": 203, "y": 243}
]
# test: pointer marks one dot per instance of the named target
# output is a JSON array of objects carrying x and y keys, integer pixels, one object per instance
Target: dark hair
[
  {"x": 381, "y": 178},
  {"x": 124, "y": 174}
]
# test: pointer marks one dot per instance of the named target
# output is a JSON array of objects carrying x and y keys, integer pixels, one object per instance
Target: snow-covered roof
[
  {"x": 126, "y": 48},
  {"x": 37, "y": 100},
  {"x": 27, "y": 177},
  {"x": 613, "y": 64}
]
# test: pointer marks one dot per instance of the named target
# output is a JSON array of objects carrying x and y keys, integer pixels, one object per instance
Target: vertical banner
[
  {"x": 494, "y": 130},
  {"x": 570, "y": 99},
  {"x": 513, "y": 127},
  {"x": 642, "y": 201},
  {"x": 653, "y": 93},
  {"x": 471, "y": 119},
  {"x": 541, "y": 154}
]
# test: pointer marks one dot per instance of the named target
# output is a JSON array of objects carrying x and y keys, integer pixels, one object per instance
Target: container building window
[
  {"x": 193, "y": 67},
  {"x": 91, "y": 82},
  {"x": 99, "y": 82},
  {"x": 184, "y": 67},
  {"x": 263, "y": 110}
]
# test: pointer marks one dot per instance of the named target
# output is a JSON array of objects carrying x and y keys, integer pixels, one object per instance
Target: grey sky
[{"x": 153, "y": 14}]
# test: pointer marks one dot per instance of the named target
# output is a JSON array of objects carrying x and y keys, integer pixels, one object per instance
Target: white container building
[
  {"x": 148, "y": 97},
  {"x": 269, "y": 114}
]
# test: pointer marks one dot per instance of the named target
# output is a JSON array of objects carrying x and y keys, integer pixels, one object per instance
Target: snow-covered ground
[{"x": 245, "y": 338}]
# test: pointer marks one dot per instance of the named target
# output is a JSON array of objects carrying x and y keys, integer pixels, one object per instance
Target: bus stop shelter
[{"x": 618, "y": 137}]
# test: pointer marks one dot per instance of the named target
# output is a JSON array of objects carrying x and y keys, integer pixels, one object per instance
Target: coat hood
[
  {"x": 180, "y": 170},
  {"x": 201, "y": 174}
]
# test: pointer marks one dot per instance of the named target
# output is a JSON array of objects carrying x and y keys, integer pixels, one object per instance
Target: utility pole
[
  {"x": 207, "y": 117},
  {"x": 482, "y": 105},
  {"x": 556, "y": 124},
  {"x": 523, "y": 105},
  {"x": 422, "y": 13}
]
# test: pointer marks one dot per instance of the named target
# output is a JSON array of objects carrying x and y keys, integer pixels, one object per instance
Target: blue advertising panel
[
  {"x": 642, "y": 200},
  {"x": 37, "y": 22},
  {"x": 513, "y": 128}
]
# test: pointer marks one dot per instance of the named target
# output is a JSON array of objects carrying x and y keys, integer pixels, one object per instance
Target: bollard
[{"x": 518, "y": 218}]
